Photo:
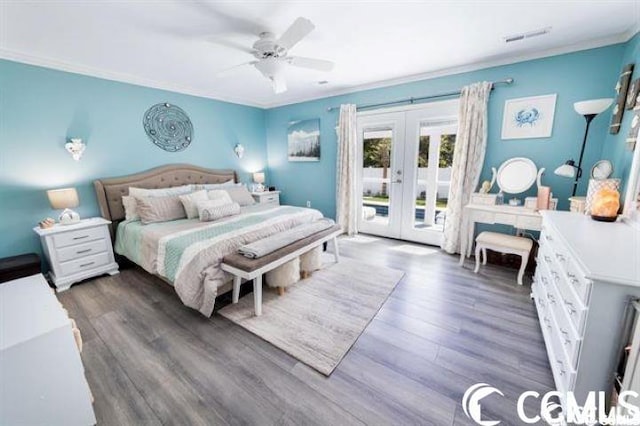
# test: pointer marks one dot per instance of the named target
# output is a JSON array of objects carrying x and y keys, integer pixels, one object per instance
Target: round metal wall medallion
[{"x": 168, "y": 126}]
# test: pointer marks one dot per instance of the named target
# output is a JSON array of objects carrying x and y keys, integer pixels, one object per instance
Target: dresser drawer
[
  {"x": 578, "y": 282},
  {"x": 84, "y": 264},
  {"x": 77, "y": 237},
  {"x": 81, "y": 250}
]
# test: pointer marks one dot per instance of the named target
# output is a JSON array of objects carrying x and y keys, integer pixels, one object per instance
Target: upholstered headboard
[{"x": 111, "y": 190}]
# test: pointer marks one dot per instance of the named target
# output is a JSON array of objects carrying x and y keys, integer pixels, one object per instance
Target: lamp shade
[
  {"x": 258, "y": 177},
  {"x": 65, "y": 198},
  {"x": 568, "y": 170},
  {"x": 592, "y": 106}
]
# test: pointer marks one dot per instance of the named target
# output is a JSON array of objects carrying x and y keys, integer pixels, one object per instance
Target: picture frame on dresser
[{"x": 631, "y": 213}]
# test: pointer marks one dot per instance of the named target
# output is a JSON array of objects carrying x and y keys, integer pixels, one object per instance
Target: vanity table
[
  {"x": 515, "y": 176},
  {"x": 518, "y": 217}
]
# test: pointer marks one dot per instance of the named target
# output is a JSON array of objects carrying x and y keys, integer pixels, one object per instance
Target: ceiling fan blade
[
  {"x": 278, "y": 83},
  {"x": 314, "y": 64},
  {"x": 227, "y": 71},
  {"x": 300, "y": 28},
  {"x": 230, "y": 44}
]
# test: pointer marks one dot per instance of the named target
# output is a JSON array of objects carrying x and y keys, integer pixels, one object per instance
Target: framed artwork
[
  {"x": 303, "y": 138},
  {"x": 621, "y": 94},
  {"x": 526, "y": 118},
  {"x": 633, "y": 95}
]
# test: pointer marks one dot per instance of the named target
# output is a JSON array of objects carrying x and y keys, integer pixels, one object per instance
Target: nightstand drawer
[
  {"x": 273, "y": 198},
  {"x": 78, "y": 237},
  {"x": 83, "y": 264},
  {"x": 81, "y": 250}
]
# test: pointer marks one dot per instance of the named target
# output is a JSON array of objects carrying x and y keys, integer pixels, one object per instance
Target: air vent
[{"x": 518, "y": 37}]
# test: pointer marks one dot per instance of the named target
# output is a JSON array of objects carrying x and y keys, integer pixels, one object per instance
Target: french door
[{"x": 404, "y": 170}]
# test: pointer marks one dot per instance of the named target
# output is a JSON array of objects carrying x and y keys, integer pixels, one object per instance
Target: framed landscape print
[
  {"x": 303, "y": 138},
  {"x": 526, "y": 118}
]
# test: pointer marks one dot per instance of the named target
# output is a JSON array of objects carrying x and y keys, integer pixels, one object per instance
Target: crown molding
[
  {"x": 586, "y": 45},
  {"x": 56, "y": 64},
  {"x": 40, "y": 61}
]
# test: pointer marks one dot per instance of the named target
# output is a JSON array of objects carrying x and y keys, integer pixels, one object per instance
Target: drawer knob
[
  {"x": 549, "y": 238},
  {"x": 572, "y": 310},
  {"x": 560, "y": 257},
  {"x": 81, "y": 237},
  {"x": 551, "y": 298},
  {"x": 84, "y": 265},
  {"x": 83, "y": 251},
  {"x": 547, "y": 258}
]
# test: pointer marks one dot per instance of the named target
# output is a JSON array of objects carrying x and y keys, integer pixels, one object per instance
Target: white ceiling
[{"x": 179, "y": 45}]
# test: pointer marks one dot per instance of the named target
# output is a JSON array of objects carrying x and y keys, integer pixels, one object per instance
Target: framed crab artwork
[
  {"x": 621, "y": 95},
  {"x": 528, "y": 118}
]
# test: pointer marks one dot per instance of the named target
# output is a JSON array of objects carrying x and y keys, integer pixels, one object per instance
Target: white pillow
[
  {"x": 220, "y": 194},
  {"x": 210, "y": 186},
  {"x": 130, "y": 208},
  {"x": 211, "y": 210},
  {"x": 190, "y": 202},
  {"x": 160, "y": 192}
]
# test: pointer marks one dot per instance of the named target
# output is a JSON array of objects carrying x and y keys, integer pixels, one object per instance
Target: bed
[{"x": 187, "y": 253}]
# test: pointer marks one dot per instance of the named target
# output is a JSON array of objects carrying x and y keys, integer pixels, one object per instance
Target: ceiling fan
[{"x": 272, "y": 56}]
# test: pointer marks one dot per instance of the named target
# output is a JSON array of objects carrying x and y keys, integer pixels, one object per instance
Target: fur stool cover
[
  {"x": 311, "y": 261},
  {"x": 285, "y": 275}
]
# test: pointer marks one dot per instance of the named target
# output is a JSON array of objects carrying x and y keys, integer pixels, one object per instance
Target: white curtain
[
  {"x": 346, "y": 208},
  {"x": 468, "y": 158}
]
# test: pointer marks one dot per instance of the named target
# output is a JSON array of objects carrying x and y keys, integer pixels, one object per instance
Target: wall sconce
[
  {"x": 75, "y": 147},
  {"x": 239, "y": 150}
]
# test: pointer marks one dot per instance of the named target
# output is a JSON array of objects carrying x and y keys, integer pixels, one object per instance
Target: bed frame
[{"x": 111, "y": 190}]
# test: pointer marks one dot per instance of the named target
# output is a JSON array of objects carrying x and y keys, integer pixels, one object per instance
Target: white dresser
[
  {"x": 586, "y": 273},
  {"x": 77, "y": 252},
  {"x": 42, "y": 376}
]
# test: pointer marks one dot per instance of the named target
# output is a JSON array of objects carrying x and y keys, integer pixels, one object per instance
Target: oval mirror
[{"x": 516, "y": 175}]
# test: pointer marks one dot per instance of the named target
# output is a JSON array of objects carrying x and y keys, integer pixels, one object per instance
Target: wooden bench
[{"x": 242, "y": 267}]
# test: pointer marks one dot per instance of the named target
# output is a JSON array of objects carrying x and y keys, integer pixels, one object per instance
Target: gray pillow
[
  {"x": 211, "y": 212},
  {"x": 160, "y": 209},
  {"x": 240, "y": 195}
]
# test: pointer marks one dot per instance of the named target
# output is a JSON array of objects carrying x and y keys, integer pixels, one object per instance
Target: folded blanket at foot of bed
[{"x": 270, "y": 244}]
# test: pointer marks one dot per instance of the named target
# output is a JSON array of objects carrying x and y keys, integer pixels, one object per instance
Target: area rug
[{"x": 318, "y": 319}]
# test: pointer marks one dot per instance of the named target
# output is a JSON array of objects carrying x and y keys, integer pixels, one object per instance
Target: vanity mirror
[{"x": 516, "y": 175}]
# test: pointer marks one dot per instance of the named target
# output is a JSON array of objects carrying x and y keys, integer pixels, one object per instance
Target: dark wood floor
[{"x": 151, "y": 360}]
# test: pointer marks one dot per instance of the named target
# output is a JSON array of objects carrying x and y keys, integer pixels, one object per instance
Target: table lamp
[
  {"x": 65, "y": 198},
  {"x": 588, "y": 109},
  {"x": 258, "y": 178}
]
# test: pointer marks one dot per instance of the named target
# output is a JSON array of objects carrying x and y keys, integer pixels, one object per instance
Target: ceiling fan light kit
[{"x": 272, "y": 56}]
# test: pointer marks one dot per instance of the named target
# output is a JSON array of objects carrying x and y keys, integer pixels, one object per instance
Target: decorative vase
[{"x": 605, "y": 205}]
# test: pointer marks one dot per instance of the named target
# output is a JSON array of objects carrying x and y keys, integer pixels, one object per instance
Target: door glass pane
[
  {"x": 376, "y": 175},
  {"x": 435, "y": 157},
  {"x": 421, "y": 184}
]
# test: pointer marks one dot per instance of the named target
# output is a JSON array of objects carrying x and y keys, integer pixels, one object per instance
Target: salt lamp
[{"x": 605, "y": 205}]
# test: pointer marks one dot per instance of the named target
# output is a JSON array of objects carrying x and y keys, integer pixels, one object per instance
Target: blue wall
[
  {"x": 614, "y": 148},
  {"x": 41, "y": 108},
  {"x": 574, "y": 77}
]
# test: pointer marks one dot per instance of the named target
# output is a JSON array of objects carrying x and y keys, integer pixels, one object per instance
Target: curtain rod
[{"x": 422, "y": 98}]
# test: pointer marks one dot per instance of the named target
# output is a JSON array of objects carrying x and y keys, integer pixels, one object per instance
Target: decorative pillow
[
  {"x": 190, "y": 202},
  {"x": 220, "y": 194},
  {"x": 130, "y": 208},
  {"x": 160, "y": 209},
  {"x": 240, "y": 195},
  {"x": 210, "y": 186},
  {"x": 160, "y": 192},
  {"x": 215, "y": 212}
]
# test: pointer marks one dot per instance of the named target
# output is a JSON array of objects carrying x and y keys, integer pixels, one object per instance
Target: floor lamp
[{"x": 588, "y": 109}]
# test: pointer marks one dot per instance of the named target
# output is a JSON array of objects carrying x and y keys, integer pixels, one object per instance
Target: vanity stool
[{"x": 503, "y": 243}]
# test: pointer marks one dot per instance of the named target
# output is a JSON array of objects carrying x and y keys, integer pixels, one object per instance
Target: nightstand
[
  {"x": 77, "y": 252},
  {"x": 267, "y": 197}
]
